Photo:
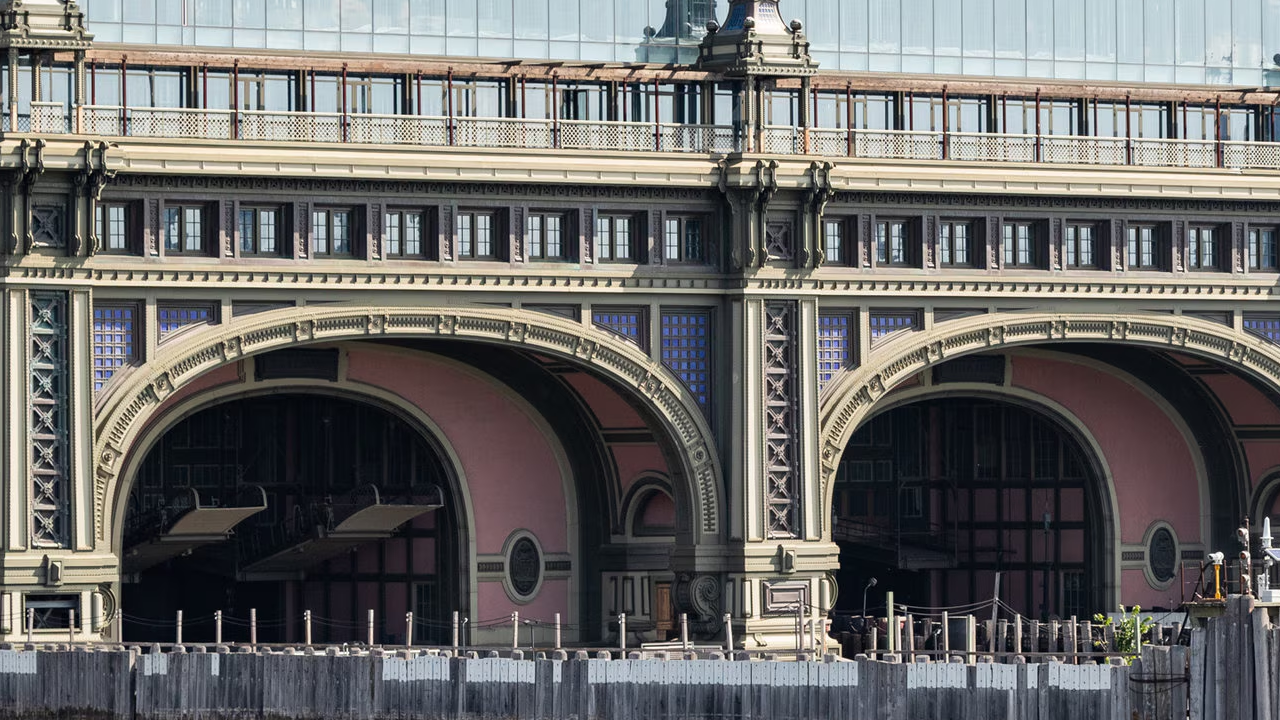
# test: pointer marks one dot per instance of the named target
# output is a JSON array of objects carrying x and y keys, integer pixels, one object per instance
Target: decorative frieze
[
  {"x": 781, "y": 419},
  {"x": 49, "y": 446}
]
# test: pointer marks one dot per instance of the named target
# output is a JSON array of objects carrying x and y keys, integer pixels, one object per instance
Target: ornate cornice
[
  {"x": 131, "y": 404},
  {"x": 857, "y": 391},
  {"x": 969, "y": 202}
]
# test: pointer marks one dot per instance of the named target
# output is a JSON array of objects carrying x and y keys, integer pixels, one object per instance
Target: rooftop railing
[{"x": 600, "y": 135}]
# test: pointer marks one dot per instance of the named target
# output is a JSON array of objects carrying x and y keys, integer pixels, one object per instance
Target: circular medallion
[{"x": 524, "y": 566}]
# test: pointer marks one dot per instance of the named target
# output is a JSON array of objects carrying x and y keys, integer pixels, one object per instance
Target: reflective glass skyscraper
[{"x": 1233, "y": 42}]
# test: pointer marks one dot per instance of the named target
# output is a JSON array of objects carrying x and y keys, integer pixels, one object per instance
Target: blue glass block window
[
  {"x": 175, "y": 318},
  {"x": 630, "y": 323},
  {"x": 834, "y": 340},
  {"x": 883, "y": 324},
  {"x": 113, "y": 341},
  {"x": 1264, "y": 326},
  {"x": 686, "y": 350}
]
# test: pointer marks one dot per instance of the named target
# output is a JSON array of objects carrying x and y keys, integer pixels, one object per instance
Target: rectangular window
[
  {"x": 1020, "y": 245},
  {"x": 259, "y": 231},
  {"x": 545, "y": 236},
  {"x": 1078, "y": 246},
  {"x": 402, "y": 233},
  {"x": 682, "y": 240},
  {"x": 1262, "y": 249},
  {"x": 113, "y": 227},
  {"x": 184, "y": 229},
  {"x": 1142, "y": 247},
  {"x": 1202, "y": 247},
  {"x": 113, "y": 340},
  {"x": 475, "y": 235},
  {"x": 891, "y": 242},
  {"x": 332, "y": 232},
  {"x": 954, "y": 248},
  {"x": 833, "y": 244},
  {"x": 613, "y": 239}
]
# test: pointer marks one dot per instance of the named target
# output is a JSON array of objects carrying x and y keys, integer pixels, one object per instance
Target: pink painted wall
[
  {"x": 610, "y": 410},
  {"x": 1244, "y": 404},
  {"x": 1151, "y": 465},
  {"x": 659, "y": 511},
  {"x": 552, "y": 598},
  {"x": 1262, "y": 455},
  {"x": 511, "y": 471},
  {"x": 636, "y": 461}
]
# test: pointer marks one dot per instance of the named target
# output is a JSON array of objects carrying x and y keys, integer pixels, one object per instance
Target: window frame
[
  {"x": 1073, "y": 245},
  {"x": 184, "y": 234},
  {"x": 1133, "y": 246},
  {"x": 947, "y": 246},
  {"x": 1253, "y": 239},
  {"x": 472, "y": 243},
  {"x": 330, "y": 213},
  {"x": 1195, "y": 235},
  {"x": 681, "y": 254},
  {"x": 255, "y": 240},
  {"x": 136, "y": 339},
  {"x": 886, "y": 258},
  {"x": 403, "y": 251},
  {"x": 542, "y": 242},
  {"x": 841, "y": 254},
  {"x": 101, "y": 220},
  {"x": 1010, "y": 255},
  {"x": 611, "y": 222}
]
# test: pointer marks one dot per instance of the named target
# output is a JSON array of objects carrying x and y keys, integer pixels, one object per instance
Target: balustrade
[{"x": 514, "y": 133}]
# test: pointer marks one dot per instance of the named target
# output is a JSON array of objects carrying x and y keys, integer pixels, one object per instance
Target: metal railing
[{"x": 519, "y": 133}]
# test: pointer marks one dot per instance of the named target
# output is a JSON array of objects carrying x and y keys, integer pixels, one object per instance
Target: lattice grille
[
  {"x": 606, "y": 135},
  {"x": 177, "y": 317},
  {"x": 48, "y": 117},
  {"x": 781, "y": 410},
  {"x": 828, "y": 142},
  {"x": 834, "y": 346},
  {"x": 883, "y": 324},
  {"x": 503, "y": 133},
  {"x": 630, "y": 323},
  {"x": 101, "y": 120},
  {"x": 1264, "y": 326},
  {"x": 899, "y": 144},
  {"x": 307, "y": 127},
  {"x": 1175, "y": 153},
  {"x": 48, "y": 434},
  {"x": 1083, "y": 150},
  {"x": 698, "y": 138},
  {"x": 780, "y": 141},
  {"x": 180, "y": 123},
  {"x": 113, "y": 341},
  {"x": 985, "y": 146},
  {"x": 686, "y": 351},
  {"x": 1251, "y": 155}
]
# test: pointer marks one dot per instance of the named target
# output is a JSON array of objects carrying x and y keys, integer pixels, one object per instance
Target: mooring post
[
  {"x": 728, "y": 636},
  {"x": 71, "y": 626},
  {"x": 369, "y": 629},
  {"x": 253, "y": 626},
  {"x": 1017, "y": 634},
  {"x": 31, "y": 625},
  {"x": 684, "y": 631},
  {"x": 515, "y": 631},
  {"x": 306, "y": 628},
  {"x": 622, "y": 632},
  {"x": 408, "y": 629},
  {"x": 971, "y": 639},
  {"x": 946, "y": 637},
  {"x": 178, "y": 639},
  {"x": 455, "y": 633},
  {"x": 217, "y": 627},
  {"x": 891, "y": 629},
  {"x": 557, "y": 647}
]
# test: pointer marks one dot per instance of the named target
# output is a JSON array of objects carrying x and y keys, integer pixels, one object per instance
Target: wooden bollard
[
  {"x": 408, "y": 629},
  {"x": 1054, "y": 637},
  {"x": 1086, "y": 635},
  {"x": 455, "y": 633},
  {"x": 217, "y": 627},
  {"x": 909, "y": 626},
  {"x": 1017, "y": 634},
  {"x": 71, "y": 625},
  {"x": 558, "y": 645},
  {"x": 178, "y": 638},
  {"x": 1035, "y": 636},
  {"x": 369, "y": 629},
  {"x": 728, "y": 635},
  {"x": 971, "y": 639},
  {"x": 306, "y": 628},
  {"x": 1002, "y": 636},
  {"x": 253, "y": 626},
  {"x": 946, "y": 635}
]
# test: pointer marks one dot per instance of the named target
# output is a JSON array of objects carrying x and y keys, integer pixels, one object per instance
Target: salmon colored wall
[
  {"x": 636, "y": 461},
  {"x": 512, "y": 475},
  {"x": 221, "y": 375},
  {"x": 1151, "y": 466},
  {"x": 1244, "y": 403},
  {"x": 610, "y": 410},
  {"x": 552, "y": 598}
]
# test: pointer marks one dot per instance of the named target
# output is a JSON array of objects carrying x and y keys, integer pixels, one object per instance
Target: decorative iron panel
[
  {"x": 781, "y": 418},
  {"x": 48, "y": 434},
  {"x": 686, "y": 351}
]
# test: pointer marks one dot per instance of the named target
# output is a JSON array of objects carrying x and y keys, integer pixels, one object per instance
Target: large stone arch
[
  {"x": 856, "y": 393},
  {"x": 130, "y": 403}
]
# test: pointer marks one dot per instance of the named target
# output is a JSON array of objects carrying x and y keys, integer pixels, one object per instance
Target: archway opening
[
  {"x": 288, "y": 502},
  {"x": 936, "y": 497}
]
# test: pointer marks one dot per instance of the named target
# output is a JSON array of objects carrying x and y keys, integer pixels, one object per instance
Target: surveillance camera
[{"x": 1216, "y": 558}]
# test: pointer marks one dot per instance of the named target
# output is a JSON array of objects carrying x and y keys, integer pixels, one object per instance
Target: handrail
[{"x": 629, "y": 136}]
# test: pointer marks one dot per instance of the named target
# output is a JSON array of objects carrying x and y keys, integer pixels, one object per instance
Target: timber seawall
[{"x": 360, "y": 685}]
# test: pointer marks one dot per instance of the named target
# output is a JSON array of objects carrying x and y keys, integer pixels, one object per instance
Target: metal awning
[{"x": 198, "y": 526}]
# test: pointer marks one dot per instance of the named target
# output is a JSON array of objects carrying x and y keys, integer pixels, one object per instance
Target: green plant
[{"x": 1127, "y": 631}]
